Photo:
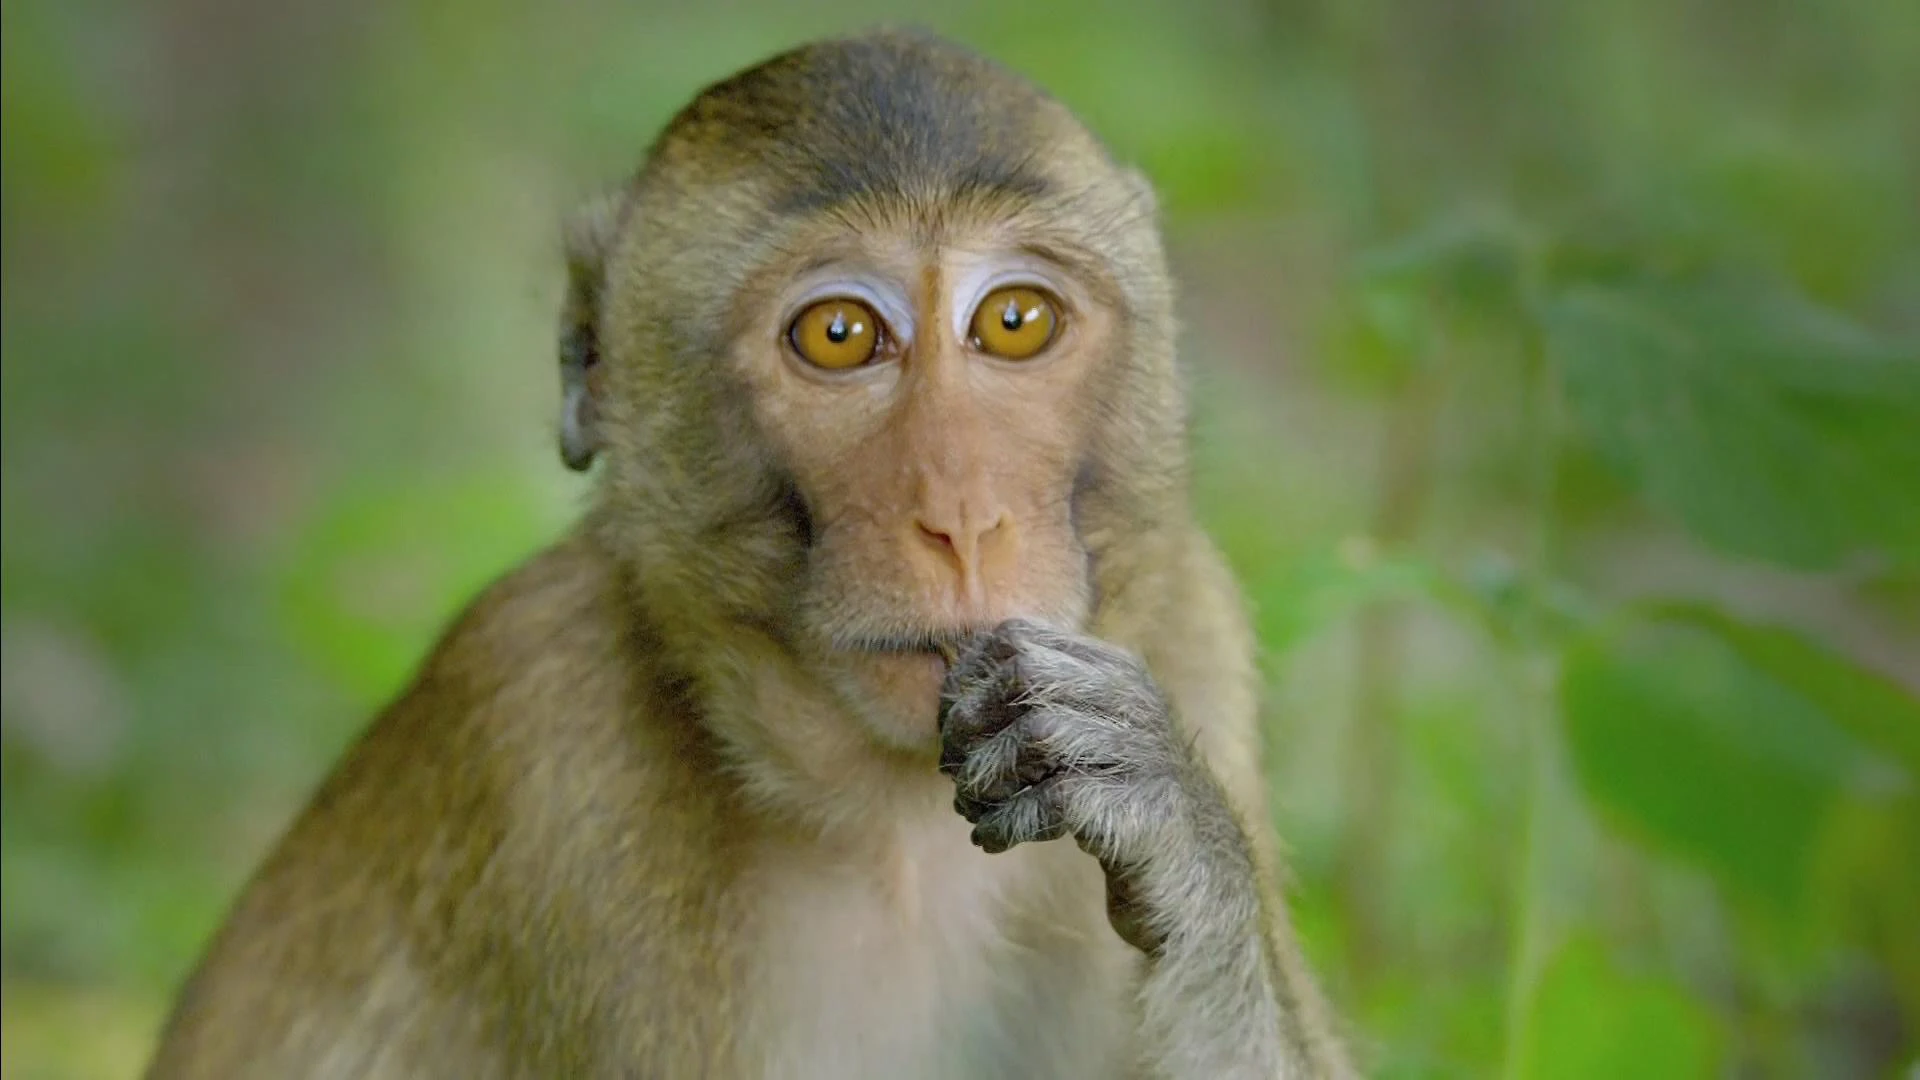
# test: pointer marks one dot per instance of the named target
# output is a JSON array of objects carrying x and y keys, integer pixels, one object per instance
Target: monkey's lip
[
  {"x": 910, "y": 679},
  {"x": 943, "y": 645}
]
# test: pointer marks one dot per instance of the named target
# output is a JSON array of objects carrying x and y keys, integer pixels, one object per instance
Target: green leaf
[
  {"x": 378, "y": 577},
  {"x": 1460, "y": 273},
  {"x": 1376, "y": 341},
  {"x": 1471, "y": 257},
  {"x": 1317, "y": 593},
  {"x": 1688, "y": 744},
  {"x": 1588, "y": 1018},
  {"x": 1626, "y": 238},
  {"x": 1768, "y": 427},
  {"x": 1873, "y": 708}
]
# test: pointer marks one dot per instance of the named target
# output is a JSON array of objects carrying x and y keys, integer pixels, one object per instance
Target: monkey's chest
[{"x": 954, "y": 964}]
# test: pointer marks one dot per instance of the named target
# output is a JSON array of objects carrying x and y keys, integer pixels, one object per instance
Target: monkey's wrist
[{"x": 1189, "y": 882}]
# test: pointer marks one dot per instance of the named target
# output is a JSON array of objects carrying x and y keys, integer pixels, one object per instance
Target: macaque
[{"x": 887, "y": 714}]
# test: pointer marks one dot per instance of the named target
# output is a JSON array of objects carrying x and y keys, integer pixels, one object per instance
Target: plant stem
[
  {"x": 1371, "y": 751},
  {"x": 1532, "y": 921},
  {"x": 1533, "y": 658}
]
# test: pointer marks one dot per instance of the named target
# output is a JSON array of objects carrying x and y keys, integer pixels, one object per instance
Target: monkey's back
[{"x": 472, "y": 892}]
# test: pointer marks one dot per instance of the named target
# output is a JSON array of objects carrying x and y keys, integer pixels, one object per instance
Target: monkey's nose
[{"x": 963, "y": 539}]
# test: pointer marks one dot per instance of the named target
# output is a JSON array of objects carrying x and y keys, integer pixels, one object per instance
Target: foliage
[{"x": 1767, "y": 427}]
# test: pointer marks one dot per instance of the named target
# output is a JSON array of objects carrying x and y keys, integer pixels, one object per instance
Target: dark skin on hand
[{"x": 889, "y": 584}]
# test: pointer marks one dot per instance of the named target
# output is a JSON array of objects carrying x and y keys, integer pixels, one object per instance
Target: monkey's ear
[{"x": 590, "y": 233}]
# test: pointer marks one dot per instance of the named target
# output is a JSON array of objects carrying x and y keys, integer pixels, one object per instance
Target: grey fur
[{"x": 1047, "y": 733}]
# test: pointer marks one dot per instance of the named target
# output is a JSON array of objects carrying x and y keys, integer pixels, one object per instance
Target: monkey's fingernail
[
  {"x": 987, "y": 841},
  {"x": 947, "y": 652}
]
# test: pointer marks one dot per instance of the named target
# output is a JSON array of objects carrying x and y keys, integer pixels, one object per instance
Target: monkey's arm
[{"x": 1048, "y": 734}]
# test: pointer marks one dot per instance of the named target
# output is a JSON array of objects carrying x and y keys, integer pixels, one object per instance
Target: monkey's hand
[{"x": 1048, "y": 734}]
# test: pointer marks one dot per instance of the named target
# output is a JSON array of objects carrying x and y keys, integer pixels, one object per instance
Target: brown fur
[{"x": 640, "y": 814}]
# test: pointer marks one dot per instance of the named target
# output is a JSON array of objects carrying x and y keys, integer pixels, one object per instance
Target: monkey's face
[
  {"x": 877, "y": 429},
  {"x": 929, "y": 399},
  {"x": 881, "y": 354}
]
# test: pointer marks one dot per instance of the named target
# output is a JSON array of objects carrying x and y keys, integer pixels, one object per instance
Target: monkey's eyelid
[
  {"x": 893, "y": 310},
  {"x": 965, "y": 312}
]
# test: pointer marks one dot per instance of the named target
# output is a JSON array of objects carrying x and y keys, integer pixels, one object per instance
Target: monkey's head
[{"x": 876, "y": 350}]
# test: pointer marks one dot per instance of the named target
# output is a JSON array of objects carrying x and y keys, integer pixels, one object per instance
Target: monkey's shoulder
[
  {"x": 535, "y": 768},
  {"x": 532, "y": 731},
  {"x": 548, "y": 686}
]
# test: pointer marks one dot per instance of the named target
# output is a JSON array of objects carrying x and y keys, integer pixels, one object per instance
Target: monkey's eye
[
  {"x": 1014, "y": 323},
  {"x": 836, "y": 334}
]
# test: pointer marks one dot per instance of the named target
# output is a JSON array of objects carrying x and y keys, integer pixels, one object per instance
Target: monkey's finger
[
  {"x": 976, "y": 711},
  {"x": 978, "y": 661},
  {"x": 969, "y": 724},
  {"x": 1112, "y": 691},
  {"x": 1047, "y": 677},
  {"x": 1002, "y": 765},
  {"x": 1033, "y": 815},
  {"x": 1022, "y": 632},
  {"x": 971, "y": 808},
  {"x": 985, "y": 649},
  {"x": 1099, "y": 654}
]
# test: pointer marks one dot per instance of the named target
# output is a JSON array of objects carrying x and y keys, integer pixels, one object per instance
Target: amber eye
[
  {"x": 1014, "y": 323},
  {"x": 836, "y": 334}
]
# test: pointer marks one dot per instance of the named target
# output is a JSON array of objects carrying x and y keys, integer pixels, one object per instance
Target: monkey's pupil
[
  {"x": 837, "y": 329},
  {"x": 1011, "y": 318}
]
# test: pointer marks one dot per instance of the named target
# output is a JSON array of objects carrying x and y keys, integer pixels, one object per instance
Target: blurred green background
[{"x": 1558, "y": 402}]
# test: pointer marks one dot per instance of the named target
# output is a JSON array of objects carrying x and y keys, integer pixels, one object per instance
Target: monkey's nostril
[
  {"x": 937, "y": 537},
  {"x": 961, "y": 542}
]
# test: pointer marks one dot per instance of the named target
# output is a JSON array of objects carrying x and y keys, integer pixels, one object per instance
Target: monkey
[{"x": 888, "y": 586}]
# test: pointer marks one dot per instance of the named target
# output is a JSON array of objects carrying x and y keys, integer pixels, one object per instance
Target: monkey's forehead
[{"x": 880, "y": 115}]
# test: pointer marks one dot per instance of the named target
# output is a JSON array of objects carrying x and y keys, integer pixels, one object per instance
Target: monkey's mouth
[
  {"x": 945, "y": 645},
  {"x": 900, "y": 681}
]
